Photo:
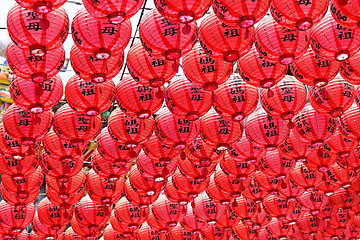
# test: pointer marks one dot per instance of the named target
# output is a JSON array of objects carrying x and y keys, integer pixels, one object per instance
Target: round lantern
[
  {"x": 143, "y": 184},
  {"x": 276, "y": 165},
  {"x": 267, "y": 183},
  {"x": 333, "y": 99},
  {"x": 212, "y": 232},
  {"x": 313, "y": 70},
  {"x": 161, "y": 37},
  {"x": 295, "y": 214},
  {"x": 36, "y": 97},
  {"x": 345, "y": 13},
  {"x": 278, "y": 207},
  {"x": 278, "y": 228},
  {"x": 235, "y": 98},
  {"x": 345, "y": 199},
  {"x": 36, "y": 68},
  {"x": 26, "y": 126},
  {"x": 293, "y": 147},
  {"x": 331, "y": 40},
  {"x": 19, "y": 199},
  {"x": 342, "y": 145},
  {"x": 130, "y": 214},
  {"x": 122, "y": 228},
  {"x": 11, "y": 147},
  {"x": 20, "y": 236},
  {"x": 242, "y": 231},
  {"x": 202, "y": 153},
  {"x": 18, "y": 169},
  {"x": 342, "y": 176},
  {"x": 168, "y": 212},
  {"x": 196, "y": 170},
  {"x": 156, "y": 224},
  {"x": 289, "y": 190},
  {"x": 254, "y": 192},
  {"x": 228, "y": 220},
  {"x": 349, "y": 69},
  {"x": 191, "y": 186},
  {"x": 217, "y": 194},
  {"x": 305, "y": 177},
  {"x": 205, "y": 71},
  {"x": 327, "y": 187},
  {"x": 244, "y": 208},
  {"x": 89, "y": 98},
  {"x": 129, "y": 130},
  {"x": 244, "y": 151},
  {"x": 348, "y": 122},
  {"x": 52, "y": 215},
  {"x": 84, "y": 231},
  {"x": 75, "y": 127},
  {"x": 90, "y": 68},
  {"x": 138, "y": 198},
  {"x": 351, "y": 160},
  {"x": 174, "y": 194},
  {"x": 240, "y": 169},
  {"x": 41, "y": 7},
  {"x": 220, "y": 131},
  {"x": 148, "y": 233},
  {"x": 111, "y": 234},
  {"x": 192, "y": 223},
  {"x": 207, "y": 210},
  {"x": 310, "y": 223},
  {"x": 137, "y": 100},
  {"x": 266, "y": 131},
  {"x": 286, "y": 99},
  {"x": 97, "y": 37},
  {"x": 16, "y": 218},
  {"x": 261, "y": 219},
  {"x": 58, "y": 199},
  {"x": 222, "y": 41},
  {"x": 277, "y": 43},
  {"x": 313, "y": 201},
  {"x": 228, "y": 184},
  {"x": 174, "y": 131},
  {"x": 313, "y": 126},
  {"x": 321, "y": 159},
  {"x": 179, "y": 232},
  {"x": 40, "y": 32}
]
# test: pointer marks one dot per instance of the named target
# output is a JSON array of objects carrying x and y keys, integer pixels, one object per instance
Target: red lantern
[
  {"x": 211, "y": 232},
  {"x": 286, "y": 99},
  {"x": 111, "y": 234},
  {"x": 148, "y": 233},
  {"x": 18, "y": 169},
  {"x": 42, "y": 7},
  {"x": 314, "y": 126},
  {"x": 143, "y": 184},
  {"x": 174, "y": 131},
  {"x": 65, "y": 203},
  {"x": 26, "y": 126},
  {"x": 228, "y": 220},
  {"x": 349, "y": 69},
  {"x": 254, "y": 192},
  {"x": 295, "y": 214},
  {"x": 278, "y": 207},
  {"x": 243, "y": 232},
  {"x": 138, "y": 198},
  {"x": 36, "y": 97},
  {"x": 220, "y": 131},
  {"x": 112, "y": 11},
  {"x": 166, "y": 38},
  {"x": 35, "y": 68},
  {"x": 258, "y": 71},
  {"x": 20, "y": 199},
  {"x": 244, "y": 208},
  {"x": 179, "y": 233},
  {"x": 168, "y": 212},
  {"x": 130, "y": 214},
  {"x": 352, "y": 232},
  {"x": 268, "y": 183},
  {"x": 222, "y": 41},
  {"x": 229, "y": 184},
  {"x": 266, "y": 131},
  {"x": 191, "y": 223},
  {"x": 342, "y": 176},
  {"x": 276, "y": 165},
  {"x": 21, "y": 236},
  {"x": 129, "y": 130},
  {"x": 195, "y": 170},
  {"x": 335, "y": 98},
  {"x": 240, "y": 169},
  {"x": 207, "y": 210},
  {"x": 310, "y": 224},
  {"x": 121, "y": 228},
  {"x": 235, "y": 98},
  {"x": 343, "y": 146},
  {"x": 293, "y": 147},
  {"x": 16, "y": 218},
  {"x": 205, "y": 71},
  {"x": 35, "y": 236},
  {"x": 102, "y": 190},
  {"x": 352, "y": 161},
  {"x": 174, "y": 194},
  {"x": 348, "y": 122},
  {"x": 314, "y": 201},
  {"x": 244, "y": 151},
  {"x": 328, "y": 41},
  {"x": 345, "y": 199},
  {"x": 52, "y": 215},
  {"x": 290, "y": 191},
  {"x": 321, "y": 159},
  {"x": 75, "y": 127},
  {"x": 327, "y": 187},
  {"x": 217, "y": 194},
  {"x": 97, "y": 37},
  {"x": 261, "y": 219},
  {"x": 278, "y": 228},
  {"x": 314, "y": 70},
  {"x": 199, "y": 152},
  {"x": 89, "y": 68},
  {"x": 156, "y": 224},
  {"x": 345, "y": 13},
  {"x": 40, "y": 32},
  {"x": 137, "y": 100},
  {"x": 85, "y": 231},
  {"x": 192, "y": 186},
  {"x": 305, "y": 177},
  {"x": 342, "y": 219}
]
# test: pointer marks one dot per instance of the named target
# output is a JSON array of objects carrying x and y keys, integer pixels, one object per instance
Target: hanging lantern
[
  {"x": 174, "y": 131},
  {"x": 314, "y": 126},
  {"x": 349, "y": 69},
  {"x": 137, "y": 100},
  {"x": 331, "y": 40},
  {"x": 305, "y": 177},
  {"x": 335, "y": 98},
  {"x": 65, "y": 203},
  {"x": 11, "y": 147},
  {"x": 229, "y": 184},
  {"x": 84, "y": 231},
  {"x": 211, "y": 232},
  {"x": 276, "y": 165},
  {"x": 241, "y": 170},
  {"x": 192, "y": 223},
  {"x": 254, "y": 192},
  {"x": 235, "y": 98},
  {"x": 228, "y": 220},
  {"x": 202, "y": 153},
  {"x": 168, "y": 212},
  {"x": 295, "y": 214},
  {"x": 244, "y": 151},
  {"x": 179, "y": 233},
  {"x": 142, "y": 184},
  {"x": 207, "y": 210},
  {"x": 148, "y": 233},
  {"x": 278, "y": 228},
  {"x": 277, "y": 43},
  {"x": 53, "y": 216},
  {"x": 130, "y": 214},
  {"x": 321, "y": 159},
  {"x": 345, "y": 199},
  {"x": 342, "y": 219},
  {"x": 35, "y": 68},
  {"x": 244, "y": 208},
  {"x": 90, "y": 68},
  {"x": 196, "y": 170},
  {"x": 289, "y": 190},
  {"x": 188, "y": 185},
  {"x": 261, "y": 219},
  {"x": 348, "y": 122},
  {"x": 26, "y": 126},
  {"x": 266, "y": 131},
  {"x": 102, "y": 39},
  {"x": 89, "y": 98},
  {"x": 313, "y": 201},
  {"x": 168, "y": 39},
  {"x": 16, "y": 218},
  {"x": 222, "y": 41},
  {"x": 139, "y": 198},
  {"x": 242, "y": 231},
  {"x": 313, "y": 70},
  {"x": 342, "y": 176},
  {"x": 39, "y": 32},
  {"x": 18, "y": 169},
  {"x": 121, "y": 228},
  {"x": 36, "y": 97},
  {"x": 174, "y": 194},
  {"x": 293, "y": 147},
  {"x": 277, "y": 207},
  {"x": 203, "y": 70},
  {"x": 350, "y": 161},
  {"x": 345, "y": 13},
  {"x": 20, "y": 199},
  {"x": 41, "y": 7},
  {"x": 156, "y": 224},
  {"x": 129, "y": 130},
  {"x": 111, "y": 234},
  {"x": 267, "y": 183},
  {"x": 342, "y": 145},
  {"x": 216, "y": 194},
  {"x": 75, "y": 127},
  {"x": 327, "y": 187},
  {"x": 285, "y": 100}
]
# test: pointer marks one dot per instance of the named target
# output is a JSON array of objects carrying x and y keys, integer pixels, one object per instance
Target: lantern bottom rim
[
  {"x": 42, "y": 7},
  {"x": 304, "y": 24},
  {"x": 186, "y": 16}
]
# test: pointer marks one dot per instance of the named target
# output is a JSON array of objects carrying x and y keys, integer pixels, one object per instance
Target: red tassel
[
  {"x": 186, "y": 29},
  {"x": 159, "y": 94},
  {"x": 132, "y": 153},
  {"x": 144, "y": 213},
  {"x": 38, "y": 89},
  {"x": 248, "y": 34},
  {"x": 182, "y": 155},
  {"x": 77, "y": 150},
  {"x": 270, "y": 93},
  {"x": 192, "y": 204}
]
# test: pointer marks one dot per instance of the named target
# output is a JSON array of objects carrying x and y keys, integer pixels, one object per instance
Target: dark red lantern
[
  {"x": 52, "y": 215},
  {"x": 222, "y": 41},
  {"x": 40, "y": 32},
  {"x": 235, "y": 98},
  {"x": 200, "y": 152},
  {"x": 16, "y": 218},
  {"x": 244, "y": 151},
  {"x": 18, "y": 169},
  {"x": 275, "y": 164},
  {"x": 130, "y": 214},
  {"x": 305, "y": 177},
  {"x": 137, "y": 100},
  {"x": 207, "y": 210}
]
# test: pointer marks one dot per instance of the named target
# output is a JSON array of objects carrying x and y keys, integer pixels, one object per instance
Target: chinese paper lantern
[
  {"x": 137, "y": 100},
  {"x": 16, "y": 218},
  {"x": 192, "y": 186},
  {"x": 277, "y": 43},
  {"x": 168, "y": 39},
  {"x": 211, "y": 232},
  {"x": 156, "y": 224},
  {"x": 40, "y": 32},
  {"x": 313, "y": 201},
  {"x": 254, "y": 192},
  {"x": 321, "y": 159},
  {"x": 11, "y": 147},
  {"x": 244, "y": 208},
  {"x": 229, "y": 184},
  {"x": 168, "y": 212},
  {"x": 217, "y": 194},
  {"x": 207, "y": 210},
  {"x": 293, "y": 147},
  {"x": 36, "y": 97},
  {"x": 35, "y": 68},
  {"x": 219, "y": 131},
  {"x": 129, "y": 130},
  {"x": 286, "y": 99},
  {"x": 201, "y": 152},
  {"x": 179, "y": 232},
  {"x": 341, "y": 219},
  {"x": 258, "y": 71},
  {"x": 352, "y": 160},
  {"x": 351, "y": 232},
  {"x": 290, "y": 191},
  {"x": 276, "y": 165},
  {"x": 20, "y": 199},
  {"x": 65, "y": 203},
  {"x": 137, "y": 197},
  {"x": 349, "y": 69},
  {"x": 305, "y": 177},
  {"x": 244, "y": 151},
  {"x": 18, "y": 169},
  {"x": 295, "y": 214},
  {"x": 20, "y": 236},
  {"x": 345, "y": 13},
  {"x": 235, "y": 98},
  {"x": 174, "y": 194},
  {"x": 52, "y": 215},
  {"x": 174, "y": 131},
  {"x": 110, "y": 233},
  {"x": 261, "y": 219},
  {"x": 242, "y": 232},
  {"x": 148, "y": 233},
  {"x": 348, "y": 121},
  {"x": 327, "y": 187},
  {"x": 342, "y": 176},
  {"x": 222, "y": 41},
  {"x": 65, "y": 189},
  {"x": 310, "y": 223},
  {"x": 344, "y": 199},
  {"x": 277, "y": 207},
  {"x": 41, "y": 7},
  {"x": 278, "y": 228},
  {"x": 143, "y": 184},
  {"x": 90, "y": 68},
  {"x": 191, "y": 223},
  {"x": 130, "y": 214},
  {"x": 102, "y": 190},
  {"x": 266, "y": 131},
  {"x": 342, "y": 145},
  {"x": 228, "y": 220},
  {"x": 123, "y": 229},
  {"x": 314, "y": 126},
  {"x": 333, "y": 99},
  {"x": 75, "y": 127},
  {"x": 185, "y": 100},
  {"x": 26, "y": 126},
  {"x": 331, "y": 40},
  {"x": 267, "y": 183},
  {"x": 313, "y": 70},
  {"x": 196, "y": 170},
  {"x": 84, "y": 231},
  {"x": 242, "y": 170},
  {"x": 203, "y": 70},
  {"x": 97, "y": 37}
]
